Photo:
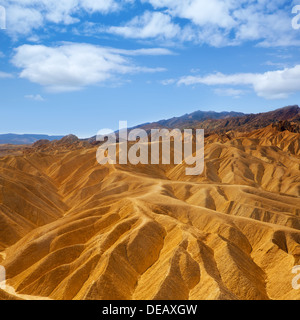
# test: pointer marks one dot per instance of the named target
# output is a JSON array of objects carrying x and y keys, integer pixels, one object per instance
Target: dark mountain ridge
[
  {"x": 22, "y": 139},
  {"x": 223, "y": 122}
]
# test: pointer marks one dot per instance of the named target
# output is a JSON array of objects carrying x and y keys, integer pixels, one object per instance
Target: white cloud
[
  {"x": 214, "y": 22},
  {"x": 21, "y": 20},
  {"x": 35, "y": 97},
  {"x": 270, "y": 85},
  {"x": 73, "y": 66},
  {"x": 26, "y": 15},
  {"x": 149, "y": 25},
  {"x": 200, "y": 12},
  {"x": 101, "y": 5},
  {"x": 161, "y": 26},
  {"x": 232, "y": 22},
  {"x": 271, "y": 26}
]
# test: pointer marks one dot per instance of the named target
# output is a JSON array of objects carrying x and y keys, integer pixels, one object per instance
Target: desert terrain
[{"x": 73, "y": 229}]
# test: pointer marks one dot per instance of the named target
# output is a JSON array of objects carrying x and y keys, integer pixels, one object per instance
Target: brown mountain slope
[{"x": 86, "y": 231}]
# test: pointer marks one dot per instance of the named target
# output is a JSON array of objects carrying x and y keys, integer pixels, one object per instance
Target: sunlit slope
[{"x": 76, "y": 230}]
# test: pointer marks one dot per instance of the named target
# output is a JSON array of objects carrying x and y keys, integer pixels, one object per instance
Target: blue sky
[{"x": 78, "y": 66}]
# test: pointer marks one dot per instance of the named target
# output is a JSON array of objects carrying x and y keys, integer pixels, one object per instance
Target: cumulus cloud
[
  {"x": 73, "y": 66},
  {"x": 214, "y": 22},
  {"x": 227, "y": 22},
  {"x": 277, "y": 84},
  {"x": 24, "y": 16},
  {"x": 21, "y": 20},
  {"x": 149, "y": 25},
  {"x": 161, "y": 26},
  {"x": 200, "y": 12}
]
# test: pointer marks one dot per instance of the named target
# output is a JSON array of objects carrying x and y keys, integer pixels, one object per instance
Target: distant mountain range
[
  {"x": 223, "y": 122},
  {"x": 20, "y": 139},
  {"x": 186, "y": 121},
  {"x": 288, "y": 118},
  {"x": 192, "y": 119}
]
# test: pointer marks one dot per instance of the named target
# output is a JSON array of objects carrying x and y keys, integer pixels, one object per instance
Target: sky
[{"x": 79, "y": 66}]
